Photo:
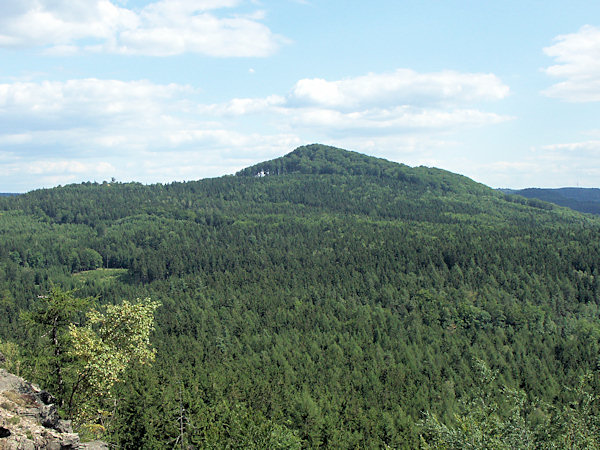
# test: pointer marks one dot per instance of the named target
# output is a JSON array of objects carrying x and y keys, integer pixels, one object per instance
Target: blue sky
[{"x": 506, "y": 93}]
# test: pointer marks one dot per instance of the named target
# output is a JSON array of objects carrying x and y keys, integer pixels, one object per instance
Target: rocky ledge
[{"x": 29, "y": 419}]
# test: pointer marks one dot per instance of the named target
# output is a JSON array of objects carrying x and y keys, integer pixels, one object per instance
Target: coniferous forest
[{"x": 325, "y": 299}]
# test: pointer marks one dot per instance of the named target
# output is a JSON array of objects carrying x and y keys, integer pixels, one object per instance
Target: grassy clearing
[{"x": 102, "y": 275}]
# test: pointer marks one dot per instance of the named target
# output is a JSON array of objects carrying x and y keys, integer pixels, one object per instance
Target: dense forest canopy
[{"x": 321, "y": 299}]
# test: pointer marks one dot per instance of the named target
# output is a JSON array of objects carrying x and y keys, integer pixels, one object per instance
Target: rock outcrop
[{"x": 29, "y": 419}]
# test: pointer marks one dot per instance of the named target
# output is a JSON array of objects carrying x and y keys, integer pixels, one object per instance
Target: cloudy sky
[{"x": 505, "y": 92}]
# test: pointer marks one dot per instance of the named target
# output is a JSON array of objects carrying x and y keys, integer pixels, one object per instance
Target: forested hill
[
  {"x": 317, "y": 176},
  {"x": 319, "y": 159},
  {"x": 586, "y": 200},
  {"x": 330, "y": 301}
]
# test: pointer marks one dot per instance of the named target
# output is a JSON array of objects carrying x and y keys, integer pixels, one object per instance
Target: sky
[{"x": 155, "y": 91}]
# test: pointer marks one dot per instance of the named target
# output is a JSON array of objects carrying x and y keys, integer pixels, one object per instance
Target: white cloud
[
  {"x": 61, "y": 22},
  {"x": 402, "y": 87},
  {"x": 51, "y": 172},
  {"x": 379, "y": 103},
  {"x": 394, "y": 120},
  {"x": 91, "y": 105},
  {"x": 94, "y": 113},
  {"x": 584, "y": 148},
  {"x": 243, "y": 106},
  {"x": 577, "y": 57},
  {"x": 183, "y": 8},
  {"x": 69, "y": 167},
  {"x": 11, "y": 139},
  {"x": 162, "y": 28}
]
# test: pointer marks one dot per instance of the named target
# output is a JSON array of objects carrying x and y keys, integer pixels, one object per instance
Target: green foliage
[
  {"x": 12, "y": 354},
  {"x": 57, "y": 309},
  {"x": 485, "y": 422},
  {"x": 577, "y": 425},
  {"x": 82, "y": 363},
  {"x": 51, "y": 319},
  {"x": 104, "y": 348},
  {"x": 497, "y": 419}
]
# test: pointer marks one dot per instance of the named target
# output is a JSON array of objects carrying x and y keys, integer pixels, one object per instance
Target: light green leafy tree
[
  {"x": 10, "y": 357},
  {"x": 109, "y": 343}
]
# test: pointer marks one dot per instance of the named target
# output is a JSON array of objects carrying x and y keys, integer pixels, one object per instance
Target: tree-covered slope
[
  {"x": 319, "y": 159},
  {"x": 328, "y": 302},
  {"x": 586, "y": 200}
]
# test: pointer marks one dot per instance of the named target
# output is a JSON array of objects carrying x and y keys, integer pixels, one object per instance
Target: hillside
[
  {"x": 586, "y": 200},
  {"x": 321, "y": 299}
]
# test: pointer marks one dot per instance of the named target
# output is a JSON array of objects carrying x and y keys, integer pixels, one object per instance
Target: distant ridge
[{"x": 586, "y": 200}]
